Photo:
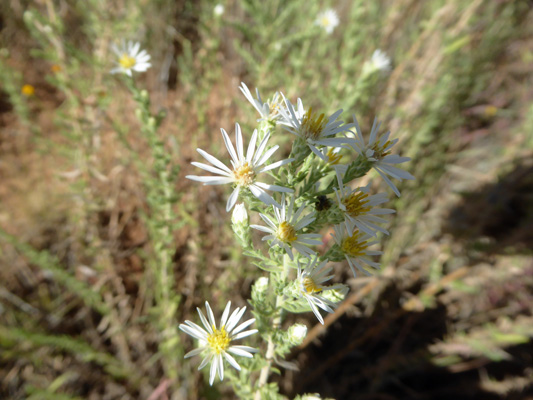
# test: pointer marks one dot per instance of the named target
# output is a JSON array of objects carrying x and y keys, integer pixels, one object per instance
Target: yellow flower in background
[{"x": 28, "y": 90}]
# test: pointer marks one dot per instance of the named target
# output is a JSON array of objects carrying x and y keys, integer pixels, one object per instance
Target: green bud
[{"x": 297, "y": 333}]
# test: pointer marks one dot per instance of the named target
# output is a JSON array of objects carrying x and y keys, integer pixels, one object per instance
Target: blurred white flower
[
  {"x": 218, "y": 10},
  {"x": 245, "y": 168},
  {"x": 327, "y": 20},
  {"x": 380, "y": 61},
  {"x": 378, "y": 151},
  {"x": 130, "y": 58},
  {"x": 285, "y": 231},
  {"x": 216, "y": 343}
]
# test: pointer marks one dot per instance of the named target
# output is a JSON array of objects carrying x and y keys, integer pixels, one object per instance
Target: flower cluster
[{"x": 308, "y": 190}]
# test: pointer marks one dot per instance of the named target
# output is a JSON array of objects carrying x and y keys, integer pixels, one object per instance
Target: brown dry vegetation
[{"x": 450, "y": 316}]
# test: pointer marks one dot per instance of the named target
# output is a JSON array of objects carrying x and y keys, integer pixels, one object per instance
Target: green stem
[{"x": 271, "y": 345}]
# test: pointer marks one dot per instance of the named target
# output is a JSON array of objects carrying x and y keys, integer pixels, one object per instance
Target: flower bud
[
  {"x": 239, "y": 215},
  {"x": 297, "y": 334}
]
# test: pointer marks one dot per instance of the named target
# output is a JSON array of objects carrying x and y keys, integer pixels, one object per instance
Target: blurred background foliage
[{"x": 105, "y": 247}]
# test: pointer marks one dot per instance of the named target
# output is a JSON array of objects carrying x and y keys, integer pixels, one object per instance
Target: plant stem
[{"x": 271, "y": 345}]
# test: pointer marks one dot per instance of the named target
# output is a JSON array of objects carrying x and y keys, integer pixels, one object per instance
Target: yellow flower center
[
  {"x": 379, "y": 150},
  {"x": 286, "y": 232},
  {"x": 353, "y": 246},
  {"x": 325, "y": 21},
  {"x": 356, "y": 204},
  {"x": 28, "y": 90},
  {"x": 313, "y": 124},
  {"x": 310, "y": 286},
  {"x": 219, "y": 340},
  {"x": 333, "y": 158},
  {"x": 244, "y": 175},
  {"x": 126, "y": 61}
]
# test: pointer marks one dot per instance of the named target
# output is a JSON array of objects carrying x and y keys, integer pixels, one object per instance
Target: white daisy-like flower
[
  {"x": 380, "y": 61},
  {"x": 269, "y": 110},
  {"x": 285, "y": 231},
  {"x": 130, "y": 58},
  {"x": 245, "y": 169},
  {"x": 360, "y": 209},
  {"x": 378, "y": 151},
  {"x": 315, "y": 129},
  {"x": 355, "y": 248},
  {"x": 216, "y": 342},
  {"x": 218, "y": 10},
  {"x": 327, "y": 20},
  {"x": 311, "y": 286}
]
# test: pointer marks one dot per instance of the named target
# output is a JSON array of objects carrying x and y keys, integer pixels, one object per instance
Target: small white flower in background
[
  {"x": 284, "y": 232},
  {"x": 269, "y": 111},
  {"x": 355, "y": 248},
  {"x": 378, "y": 151},
  {"x": 244, "y": 168},
  {"x": 315, "y": 129},
  {"x": 359, "y": 208},
  {"x": 239, "y": 215},
  {"x": 327, "y": 20},
  {"x": 310, "y": 281},
  {"x": 130, "y": 58},
  {"x": 380, "y": 61},
  {"x": 218, "y": 10},
  {"x": 216, "y": 343},
  {"x": 297, "y": 333}
]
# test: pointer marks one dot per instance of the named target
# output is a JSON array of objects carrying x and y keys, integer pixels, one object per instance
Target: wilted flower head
[
  {"x": 130, "y": 58},
  {"x": 327, "y": 20}
]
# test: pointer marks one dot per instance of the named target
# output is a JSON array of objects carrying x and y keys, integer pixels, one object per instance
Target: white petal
[
  {"x": 251, "y": 147},
  {"x": 213, "y": 160},
  {"x": 229, "y": 146},
  {"x": 238, "y": 142},
  {"x": 225, "y": 315},
  {"x": 232, "y": 361},
  {"x": 212, "y": 169},
  {"x": 232, "y": 199}
]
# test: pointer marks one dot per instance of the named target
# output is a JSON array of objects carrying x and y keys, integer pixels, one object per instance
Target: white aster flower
[
  {"x": 244, "y": 169},
  {"x": 130, "y": 58},
  {"x": 355, "y": 248},
  {"x": 315, "y": 129},
  {"x": 378, "y": 151},
  {"x": 218, "y": 10},
  {"x": 285, "y": 231},
  {"x": 269, "y": 111},
  {"x": 327, "y": 20},
  {"x": 380, "y": 61},
  {"x": 310, "y": 283},
  {"x": 359, "y": 208},
  {"x": 216, "y": 343}
]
